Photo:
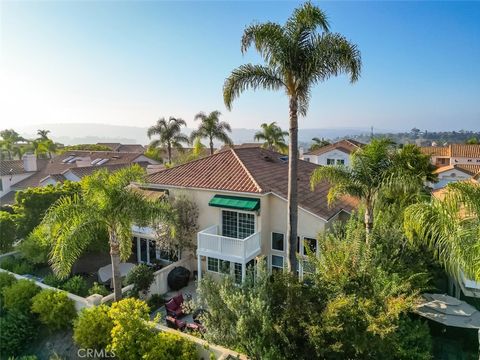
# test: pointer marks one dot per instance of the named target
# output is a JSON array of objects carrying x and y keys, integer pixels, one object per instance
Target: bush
[
  {"x": 6, "y": 280},
  {"x": 34, "y": 248},
  {"x": 92, "y": 328},
  {"x": 54, "y": 309},
  {"x": 165, "y": 346},
  {"x": 17, "y": 330},
  {"x": 18, "y": 296},
  {"x": 76, "y": 285},
  {"x": 141, "y": 277},
  {"x": 156, "y": 301},
  {"x": 17, "y": 265},
  {"x": 8, "y": 231},
  {"x": 98, "y": 289},
  {"x": 53, "y": 281}
]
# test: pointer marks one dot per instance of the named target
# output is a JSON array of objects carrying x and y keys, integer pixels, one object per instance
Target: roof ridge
[
  {"x": 189, "y": 162},
  {"x": 246, "y": 170}
]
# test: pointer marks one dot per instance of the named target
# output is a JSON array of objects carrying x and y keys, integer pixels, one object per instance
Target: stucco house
[
  {"x": 241, "y": 194},
  {"x": 337, "y": 153},
  {"x": 454, "y": 173}
]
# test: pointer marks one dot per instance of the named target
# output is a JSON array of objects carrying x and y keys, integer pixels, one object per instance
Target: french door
[{"x": 237, "y": 224}]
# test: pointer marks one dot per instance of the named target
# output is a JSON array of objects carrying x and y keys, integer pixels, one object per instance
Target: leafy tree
[
  {"x": 472, "y": 141},
  {"x": 87, "y": 147},
  {"x": 318, "y": 143},
  {"x": 273, "y": 137},
  {"x": 31, "y": 204},
  {"x": 376, "y": 167},
  {"x": 297, "y": 57},
  {"x": 170, "y": 135},
  {"x": 17, "y": 330},
  {"x": 43, "y": 134},
  {"x": 6, "y": 280},
  {"x": 8, "y": 231},
  {"x": 212, "y": 128},
  {"x": 450, "y": 227},
  {"x": 18, "y": 296},
  {"x": 9, "y": 140},
  {"x": 54, "y": 309},
  {"x": 166, "y": 346},
  {"x": 92, "y": 328},
  {"x": 104, "y": 204}
]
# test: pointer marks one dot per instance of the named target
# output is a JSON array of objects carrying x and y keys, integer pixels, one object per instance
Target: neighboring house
[
  {"x": 14, "y": 171},
  {"x": 242, "y": 198},
  {"x": 337, "y": 153},
  {"x": 118, "y": 147},
  {"x": 72, "y": 165},
  {"x": 453, "y": 173}
]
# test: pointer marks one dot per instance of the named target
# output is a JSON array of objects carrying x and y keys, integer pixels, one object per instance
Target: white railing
[{"x": 210, "y": 242}]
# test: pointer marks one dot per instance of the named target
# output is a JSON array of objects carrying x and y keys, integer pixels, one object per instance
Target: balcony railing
[{"x": 211, "y": 243}]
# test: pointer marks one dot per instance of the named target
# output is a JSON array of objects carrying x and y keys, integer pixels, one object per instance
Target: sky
[{"x": 131, "y": 62}]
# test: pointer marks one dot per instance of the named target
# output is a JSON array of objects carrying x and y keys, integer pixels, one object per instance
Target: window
[
  {"x": 212, "y": 264},
  {"x": 238, "y": 272},
  {"x": 306, "y": 159},
  {"x": 340, "y": 162},
  {"x": 469, "y": 160},
  {"x": 224, "y": 266},
  {"x": 278, "y": 241},
  {"x": 330, "y": 161},
  {"x": 1, "y": 184},
  {"x": 277, "y": 263},
  {"x": 237, "y": 225},
  {"x": 311, "y": 244}
]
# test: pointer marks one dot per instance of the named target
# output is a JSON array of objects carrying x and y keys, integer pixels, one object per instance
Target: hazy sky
[{"x": 128, "y": 63}]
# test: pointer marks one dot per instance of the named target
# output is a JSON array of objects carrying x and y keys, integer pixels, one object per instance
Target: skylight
[
  {"x": 101, "y": 162},
  {"x": 67, "y": 159},
  {"x": 94, "y": 162}
]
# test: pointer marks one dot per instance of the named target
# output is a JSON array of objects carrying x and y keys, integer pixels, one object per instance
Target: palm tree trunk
[
  {"x": 368, "y": 221},
  {"x": 169, "y": 150},
  {"x": 116, "y": 276},
  {"x": 292, "y": 197},
  {"x": 211, "y": 146}
]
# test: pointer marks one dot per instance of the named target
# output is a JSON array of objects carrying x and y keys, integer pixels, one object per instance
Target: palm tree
[
  {"x": 9, "y": 139},
  {"x": 376, "y": 167},
  {"x": 318, "y": 143},
  {"x": 212, "y": 128},
  {"x": 43, "y": 134},
  {"x": 105, "y": 205},
  {"x": 450, "y": 227},
  {"x": 296, "y": 58},
  {"x": 170, "y": 133},
  {"x": 273, "y": 137}
]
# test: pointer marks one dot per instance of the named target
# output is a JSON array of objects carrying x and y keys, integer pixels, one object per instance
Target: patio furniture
[
  {"x": 174, "y": 306},
  {"x": 195, "y": 327},
  {"x": 197, "y": 315},
  {"x": 105, "y": 272},
  {"x": 178, "y": 278},
  {"x": 175, "y": 323}
]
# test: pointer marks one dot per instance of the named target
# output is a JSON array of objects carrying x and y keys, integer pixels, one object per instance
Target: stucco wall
[
  {"x": 333, "y": 154},
  {"x": 9, "y": 180},
  {"x": 449, "y": 176}
]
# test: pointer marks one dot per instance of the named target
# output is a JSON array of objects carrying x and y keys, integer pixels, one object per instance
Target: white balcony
[{"x": 211, "y": 243}]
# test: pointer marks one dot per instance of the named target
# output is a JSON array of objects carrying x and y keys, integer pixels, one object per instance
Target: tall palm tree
[
  {"x": 376, "y": 167},
  {"x": 212, "y": 128},
  {"x": 273, "y": 137},
  {"x": 170, "y": 135},
  {"x": 318, "y": 143},
  {"x": 105, "y": 205},
  {"x": 296, "y": 58},
  {"x": 450, "y": 227},
  {"x": 43, "y": 134},
  {"x": 9, "y": 139}
]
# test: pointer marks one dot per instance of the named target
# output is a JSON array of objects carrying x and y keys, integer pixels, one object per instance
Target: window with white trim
[
  {"x": 311, "y": 244},
  {"x": 330, "y": 161},
  {"x": 278, "y": 241},
  {"x": 277, "y": 263},
  {"x": 212, "y": 264},
  {"x": 237, "y": 271},
  {"x": 224, "y": 266},
  {"x": 340, "y": 162},
  {"x": 237, "y": 225}
]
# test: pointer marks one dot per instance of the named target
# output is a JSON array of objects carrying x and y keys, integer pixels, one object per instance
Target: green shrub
[
  {"x": 54, "y": 309},
  {"x": 17, "y": 265},
  {"x": 8, "y": 231},
  {"x": 8, "y": 263},
  {"x": 17, "y": 330},
  {"x": 156, "y": 301},
  {"x": 76, "y": 285},
  {"x": 141, "y": 277},
  {"x": 92, "y": 328},
  {"x": 34, "y": 248},
  {"x": 98, "y": 289},
  {"x": 53, "y": 281},
  {"x": 18, "y": 296},
  {"x": 6, "y": 280},
  {"x": 165, "y": 346}
]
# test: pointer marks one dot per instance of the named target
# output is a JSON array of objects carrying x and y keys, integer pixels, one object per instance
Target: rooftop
[
  {"x": 453, "y": 150},
  {"x": 347, "y": 146}
]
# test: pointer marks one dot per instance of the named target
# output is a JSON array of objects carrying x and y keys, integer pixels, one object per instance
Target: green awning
[{"x": 235, "y": 202}]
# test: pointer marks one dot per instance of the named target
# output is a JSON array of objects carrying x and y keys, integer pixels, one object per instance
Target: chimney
[
  {"x": 30, "y": 162},
  {"x": 300, "y": 152}
]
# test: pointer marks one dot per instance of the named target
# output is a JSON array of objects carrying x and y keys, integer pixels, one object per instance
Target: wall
[
  {"x": 7, "y": 183},
  {"x": 449, "y": 176},
  {"x": 333, "y": 154},
  {"x": 160, "y": 283},
  {"x": 464, "y": 160}
]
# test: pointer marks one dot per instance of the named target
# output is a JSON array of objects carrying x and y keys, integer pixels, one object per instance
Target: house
[
  {"x": 337, "y": 153},
  {"x": 118, "y": 147},
  {"x": 71, "y": 165},
  {"x": 241, "y": 194},
  {"x": 453, "y": 173}
]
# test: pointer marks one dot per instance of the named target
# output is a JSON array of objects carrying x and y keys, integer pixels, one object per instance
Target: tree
[
  {"x": 318, "y": 143},
  {"x": 170, "y": 135},
  {"x": 376, "y": 167},
  {"x": 104, "y": 204},
  {"x": 450, "y": 227},
  {"x": 472, "y": 141},
  {"x": 212, "y": 128},
  {"x": 43, "y": 134},
  {"x": 273, "y": 137},
  {"x": 9, "y": 138},
  {"x": 8, "y": 231},
  {"x": 297, "y": 57}
]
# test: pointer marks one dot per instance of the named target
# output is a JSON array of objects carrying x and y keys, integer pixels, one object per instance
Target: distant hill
[{"x": 84, "y": 133}]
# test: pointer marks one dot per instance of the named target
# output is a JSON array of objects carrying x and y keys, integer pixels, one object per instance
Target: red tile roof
[
  {"x": 470, "y": 169},
  {"x": 348, "y": 146},
  {"x": 436, "y": 150},
  {"x": 453, "y": 150},
  {"x": 252, "y": 170}
]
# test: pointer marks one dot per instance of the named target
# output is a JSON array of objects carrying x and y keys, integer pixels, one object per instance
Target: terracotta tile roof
[
  {"x": 252, "y": 170},
  {"x": 240, "y": 146},
  {"x": 11, "y": 167},
  {"x": 436, "y": 150},
  {"x": 124, "y": 147},
  {"x": 453, "y": 150},
  {"x": 347, "y": 146},
  {"x": 470, "y": 169},
  {"x": 88, "y": 170},
  {"x": 57, "y": 166}
]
